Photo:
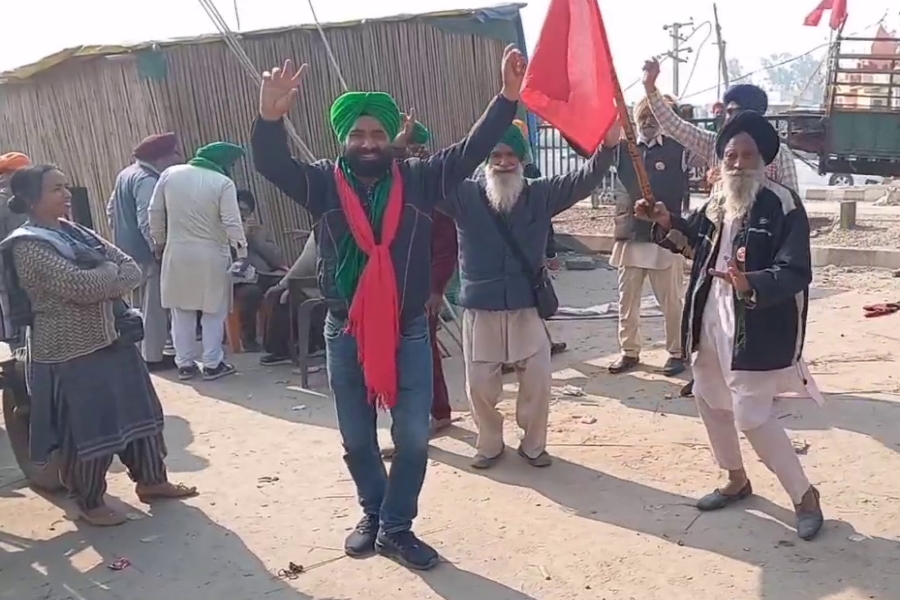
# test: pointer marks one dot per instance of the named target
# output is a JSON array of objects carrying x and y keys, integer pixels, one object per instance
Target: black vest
[{"x": 665, "y": 168}]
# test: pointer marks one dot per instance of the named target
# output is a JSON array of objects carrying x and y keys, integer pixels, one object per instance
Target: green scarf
[{"x": 351, "y": 260}]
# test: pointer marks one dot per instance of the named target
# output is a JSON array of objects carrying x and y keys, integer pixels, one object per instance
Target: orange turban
[{"x": 13, "y": 161}]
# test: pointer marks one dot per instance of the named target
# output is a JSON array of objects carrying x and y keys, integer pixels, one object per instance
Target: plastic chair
[{"x": 304, "y": 298}]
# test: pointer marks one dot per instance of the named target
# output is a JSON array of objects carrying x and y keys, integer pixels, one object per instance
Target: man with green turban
[
  {"x": 502, "y": 223},
  {"x": 373, "y": 226},
  {"x": 195, "y": 222}
]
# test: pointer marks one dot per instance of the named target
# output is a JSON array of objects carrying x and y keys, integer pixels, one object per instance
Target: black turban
[
  {"x": 748, "y": 97},
  {"x": 757, "y": 127}
]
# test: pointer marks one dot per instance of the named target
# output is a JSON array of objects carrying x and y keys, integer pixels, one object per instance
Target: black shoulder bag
[{"x": 541, "y": 286}]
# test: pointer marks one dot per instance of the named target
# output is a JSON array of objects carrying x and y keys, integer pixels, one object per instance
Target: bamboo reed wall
[{"x": 87, "y": 114}]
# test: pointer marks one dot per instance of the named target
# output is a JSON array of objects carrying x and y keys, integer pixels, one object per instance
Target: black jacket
[
  {"x": 425, "y": 182},
  {"x": 771, "y": 325}
]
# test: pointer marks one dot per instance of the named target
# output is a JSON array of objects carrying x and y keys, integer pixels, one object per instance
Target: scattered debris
[
  {"x": 298, "y": 407},
  {"x": 544, "y": 572},
  {"x": 857, "y": 537},
  {"x": 119, "y": 564},
  {"x": 800, "y": 446},
  {"x": 267, "y": 479},
  {"x": 292, "y": 572},
  {"x": 149, "y": 539},
  {"x": 589, "y": 420},
  {"x": 571, "y": 390}
]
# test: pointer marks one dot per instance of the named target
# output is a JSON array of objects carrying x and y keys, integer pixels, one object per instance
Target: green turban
[
  {"x": 353, "y": 105},
  {"x": 420, "y": 134},
  {"x": 515, "y": 139},
  {"x": 218, "y": 156}
]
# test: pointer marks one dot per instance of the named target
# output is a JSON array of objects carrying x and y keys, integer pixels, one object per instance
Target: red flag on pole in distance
[
  {"x": 569, "y": 80},
  {"x": 838, "y": 10}
]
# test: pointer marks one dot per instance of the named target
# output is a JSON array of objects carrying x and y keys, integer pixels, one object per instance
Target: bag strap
[{"x": 506, "y": 233}]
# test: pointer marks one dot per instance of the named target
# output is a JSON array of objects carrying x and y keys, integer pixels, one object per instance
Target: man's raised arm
[
  {"x": 269, "y": 145},
  {"x": 696, "y": 140},
  {"x": 448, "y": 168}
]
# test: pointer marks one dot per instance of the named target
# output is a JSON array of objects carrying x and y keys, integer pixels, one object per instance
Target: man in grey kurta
[
  {"x": 130, "y": 224},
  {"x": 501, "y": 324}
]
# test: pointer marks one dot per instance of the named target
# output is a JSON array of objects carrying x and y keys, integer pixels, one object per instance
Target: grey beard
[
  {"x": 503, "y": 190},
  {"x": 739, "y": 190}
]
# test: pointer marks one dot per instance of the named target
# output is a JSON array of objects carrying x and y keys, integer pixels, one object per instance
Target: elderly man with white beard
[
  {"x": 501, "y": 323},
  {"x": 745, "y": 312}
]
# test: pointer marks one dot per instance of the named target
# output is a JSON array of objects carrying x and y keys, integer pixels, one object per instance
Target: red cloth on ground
[
  {"x": 374, "y": 318},
  {"x": 570, "y": 80}
]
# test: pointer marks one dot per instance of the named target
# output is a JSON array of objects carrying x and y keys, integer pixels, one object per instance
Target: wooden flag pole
[{"x": 630, "y": 135}]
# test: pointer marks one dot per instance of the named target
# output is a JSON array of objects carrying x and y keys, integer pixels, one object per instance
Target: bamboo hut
[{"x": 86, "y": 108}]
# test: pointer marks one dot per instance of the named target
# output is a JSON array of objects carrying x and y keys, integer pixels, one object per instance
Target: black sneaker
[
  {"x": 185, "y": 373},
  {"x": 361, "y": 541},
  {"x": 251, "y": 346},
  {"x": 408, "y": 550},
  {"x": 274, "y": 359},
  {"x": 217, "y": 373}
]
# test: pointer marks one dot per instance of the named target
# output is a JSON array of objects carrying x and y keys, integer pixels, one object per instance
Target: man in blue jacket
[{"x": 745, "y": 311}]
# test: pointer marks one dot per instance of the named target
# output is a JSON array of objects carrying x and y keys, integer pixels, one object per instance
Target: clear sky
[{"x": 36, "y": 28}]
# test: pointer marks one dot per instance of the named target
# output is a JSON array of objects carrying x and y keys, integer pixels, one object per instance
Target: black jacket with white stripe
[{"x": 771, "y": 322}]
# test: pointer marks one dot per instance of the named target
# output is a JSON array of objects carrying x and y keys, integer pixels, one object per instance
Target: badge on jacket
[{"x": 660, "y": 165}]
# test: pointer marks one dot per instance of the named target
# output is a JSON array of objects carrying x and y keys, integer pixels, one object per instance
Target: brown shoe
[
  {"x": 623, "y": 365},
  {"x": 482, "y": 462},
  {"x": 102, "y": 516}
]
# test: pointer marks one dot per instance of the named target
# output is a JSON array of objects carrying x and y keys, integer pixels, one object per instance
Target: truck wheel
[
  {"x": 45, "y": 478},
  {"x": 840, "y": 179}
]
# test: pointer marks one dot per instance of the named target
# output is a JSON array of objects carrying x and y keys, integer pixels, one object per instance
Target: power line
[
  {"x": 788, "y": 60},
  {"x": 697, "y": 55}
]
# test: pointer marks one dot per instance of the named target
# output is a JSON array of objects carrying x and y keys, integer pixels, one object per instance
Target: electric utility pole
[
  {"x": 677, "y": 50},
  {"x": 723, "y": 61}
]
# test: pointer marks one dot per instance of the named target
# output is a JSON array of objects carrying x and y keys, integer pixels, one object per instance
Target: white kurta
[
  {"x": 749, "y": 394},
  {"x": 194, "y": 214}
]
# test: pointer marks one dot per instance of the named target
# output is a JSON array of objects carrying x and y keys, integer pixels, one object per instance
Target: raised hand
[
  {"x": 657, "y": 213},
  {"x": 733, "y": 275},
  {"x": 614, "y": 135},
  {"x": 406, "y": 132},
  {"x": 279, "y": 91},
  {"x": 651, "y": 73},
  {"x": 513, "y": 69}
]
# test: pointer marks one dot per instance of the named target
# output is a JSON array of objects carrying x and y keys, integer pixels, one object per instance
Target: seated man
[
  {"x": 265, "y": 256},
  {"x": 276, "y": 337}
]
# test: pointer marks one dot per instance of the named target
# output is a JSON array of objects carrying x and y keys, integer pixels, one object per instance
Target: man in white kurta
[
  {"x": 745, "y": 313},
  {"x": 194, "y": 216}
]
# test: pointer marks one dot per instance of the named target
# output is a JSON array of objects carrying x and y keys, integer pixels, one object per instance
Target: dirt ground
[{"x": 611, "y": 519}]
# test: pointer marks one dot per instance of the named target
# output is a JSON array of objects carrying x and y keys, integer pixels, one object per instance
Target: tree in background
[
  {"x": 791, "y": 78},
  {"x": 736, "y": 72}
]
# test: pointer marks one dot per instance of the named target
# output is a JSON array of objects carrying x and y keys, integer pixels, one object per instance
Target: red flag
[
  {"x": 838, "y": 10},
  {"x": 570, "y": 80}
]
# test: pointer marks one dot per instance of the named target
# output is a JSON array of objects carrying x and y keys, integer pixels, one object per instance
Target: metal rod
[{"x": 334, "y": 63}]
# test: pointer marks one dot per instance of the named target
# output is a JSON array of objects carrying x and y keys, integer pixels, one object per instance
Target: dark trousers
[
  {"x": 277, "y": 336},
  {"x": 86, "y": 479},
  {"x": 440, "y": 406},
  {"x": 250, "y": 298},
  {"x": 393, "y": 497}
]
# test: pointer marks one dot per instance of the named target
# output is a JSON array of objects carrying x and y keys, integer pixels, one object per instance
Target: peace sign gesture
[
  {"x": 279, "y": 90},
  {"x": 733, "y": 275},
  {"x": 406, "y": 132}
]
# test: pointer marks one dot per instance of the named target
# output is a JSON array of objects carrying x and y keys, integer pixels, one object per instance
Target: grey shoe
[
  {"x": 717, "y": 500},
  {"x": 484, "y": 462},
  {"x": 623, "y": 364},
  {"x": 809, "y": 523},
  {"x": 673, "y": 367},
  {"x": 541, "y": 460}
]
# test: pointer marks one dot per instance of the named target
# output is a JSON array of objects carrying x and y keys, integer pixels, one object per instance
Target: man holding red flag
[
  {"x": 502, "y": 220},
  {"x": 373, "y": 229}
]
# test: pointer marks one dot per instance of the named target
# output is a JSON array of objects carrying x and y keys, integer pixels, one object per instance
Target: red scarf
[{"x": 374, "y": 318}]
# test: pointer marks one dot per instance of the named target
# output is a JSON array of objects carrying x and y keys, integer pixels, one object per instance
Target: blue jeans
[{"x": 393, "y": 497}]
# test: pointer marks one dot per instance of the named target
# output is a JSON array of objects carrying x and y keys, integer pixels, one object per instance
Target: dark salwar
[{"x": 91, "y": 408}]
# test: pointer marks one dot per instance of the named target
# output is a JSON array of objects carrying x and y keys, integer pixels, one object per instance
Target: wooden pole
[
  {"x": 723, "y": 61},
  {"x": 630, "y": 135}
]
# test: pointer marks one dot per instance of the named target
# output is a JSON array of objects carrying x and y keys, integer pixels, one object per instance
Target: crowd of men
[{"x": 393, "y": 222}]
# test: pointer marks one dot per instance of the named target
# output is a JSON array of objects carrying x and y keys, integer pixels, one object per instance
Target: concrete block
[
  {"x": 882, "y": 258},
  {"x": 587, "y": 244},
  {"x": 580, "y": 264},
  {"x": 817, "y": 194}
]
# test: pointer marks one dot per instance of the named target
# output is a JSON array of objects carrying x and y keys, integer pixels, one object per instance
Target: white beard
[
  {"x": 739, "y": 189},
  {"x": 503, "y": 189}
]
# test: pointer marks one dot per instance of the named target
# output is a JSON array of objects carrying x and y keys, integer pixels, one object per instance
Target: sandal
[{"x": 167, "y": 491}]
